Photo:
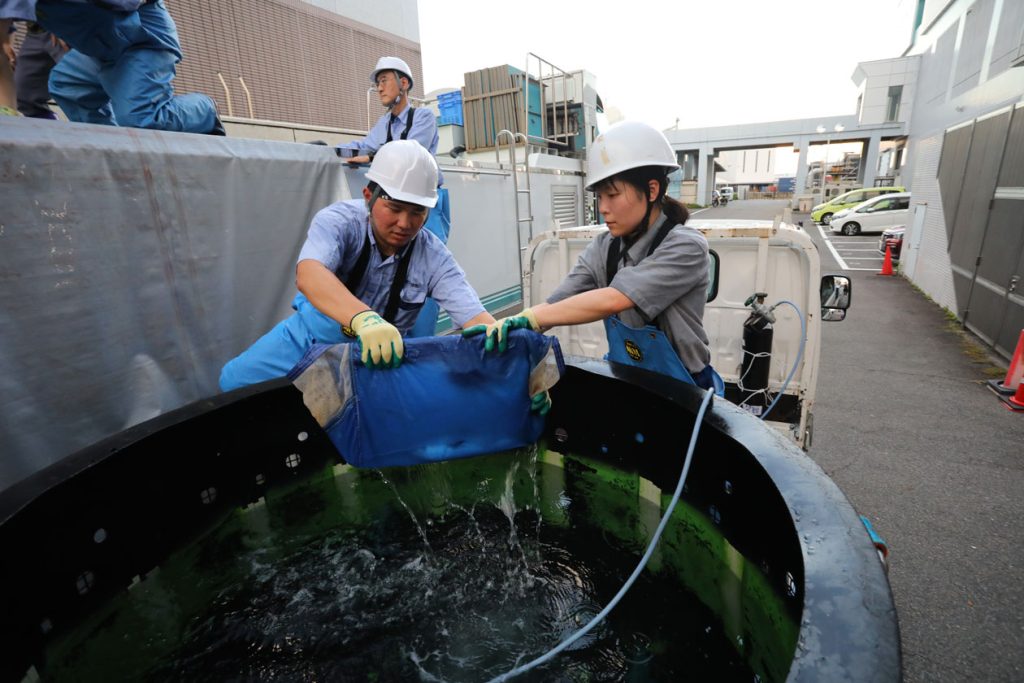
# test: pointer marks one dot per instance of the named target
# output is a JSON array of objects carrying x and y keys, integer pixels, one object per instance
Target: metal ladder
[{"x": 513, "y": 138}]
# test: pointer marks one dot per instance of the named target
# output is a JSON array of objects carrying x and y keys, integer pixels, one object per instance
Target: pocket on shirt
[{"x": 412, "y": 297}]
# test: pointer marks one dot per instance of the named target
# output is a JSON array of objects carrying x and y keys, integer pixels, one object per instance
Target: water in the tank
[{"x": 451, "y": 572}]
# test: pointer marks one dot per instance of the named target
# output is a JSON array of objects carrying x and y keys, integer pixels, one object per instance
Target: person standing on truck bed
[
  {"x": 120, "y": 69},
  {"x": 10, "y": 11},
  {"x": 646, "y": 278},
  {"x": 364, "y": 272},
  {"x": 40, "y": 52}
]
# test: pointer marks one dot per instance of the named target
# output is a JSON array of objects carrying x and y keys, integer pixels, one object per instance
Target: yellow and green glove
[
  {"x": 498, "y": 331},
  {"x": 497, "y": 335},
  {"x": 380, "y": 341}
]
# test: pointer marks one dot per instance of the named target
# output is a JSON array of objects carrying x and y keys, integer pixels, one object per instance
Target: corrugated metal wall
[
  {"x": 972, "y": 212},
  {"x": 302, "y": 64}
]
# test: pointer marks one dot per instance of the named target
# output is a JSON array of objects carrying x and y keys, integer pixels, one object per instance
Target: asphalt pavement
[{"x": 906, "y": 427}]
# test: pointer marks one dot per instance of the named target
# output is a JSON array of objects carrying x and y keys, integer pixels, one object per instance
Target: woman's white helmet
[
  {"x": 627, "y": 145},
  {"x": 405, "y": 171},
  {"x": 391, "y": 64}
]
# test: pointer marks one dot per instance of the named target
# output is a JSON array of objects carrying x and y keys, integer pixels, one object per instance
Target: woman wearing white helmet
[
  {"x": 367, "y": 266},
  {"x": 647, "y": 277}
]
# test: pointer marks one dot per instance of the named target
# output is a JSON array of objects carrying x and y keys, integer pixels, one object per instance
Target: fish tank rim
[{"x": 848, "y": 626}]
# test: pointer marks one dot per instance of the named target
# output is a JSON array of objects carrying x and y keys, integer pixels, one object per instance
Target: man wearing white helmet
[
  {"x": 364, "y": 272},
  {"x": 393, "y": 80},
  {"x": 647, "y": 277}
]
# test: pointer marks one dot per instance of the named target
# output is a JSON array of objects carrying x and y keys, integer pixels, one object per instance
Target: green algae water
[{"x": 455, "y": 572}]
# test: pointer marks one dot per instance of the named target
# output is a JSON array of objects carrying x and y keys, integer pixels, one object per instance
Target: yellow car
[{"x": 822, "y": 213}]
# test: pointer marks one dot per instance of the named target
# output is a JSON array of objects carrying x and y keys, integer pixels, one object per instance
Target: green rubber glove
[
  {"x": 497, "y": 332},
  {"x": 380, "y": 341},
  {"x": 541, "y": 403}
]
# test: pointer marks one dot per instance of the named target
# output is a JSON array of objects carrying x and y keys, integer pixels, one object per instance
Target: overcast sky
[{"x": 705, "y": 62}]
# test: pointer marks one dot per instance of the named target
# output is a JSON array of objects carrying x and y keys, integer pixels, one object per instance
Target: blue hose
[
  {"x": 639, "y": 568},
  {"x": 799, "y": 355}
]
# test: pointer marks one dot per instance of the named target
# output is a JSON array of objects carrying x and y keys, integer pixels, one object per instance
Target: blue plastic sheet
[{"x": 449, "y": 399}]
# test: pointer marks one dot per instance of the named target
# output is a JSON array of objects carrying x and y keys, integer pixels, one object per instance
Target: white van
[
  {"x": 874, "y": 215},
  {"x": 727, "y": 192}
]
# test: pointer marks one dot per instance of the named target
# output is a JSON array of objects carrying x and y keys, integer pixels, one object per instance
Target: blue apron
[
  {"x": 438, "y": 222},
  {"x": 648, "y": 348}
]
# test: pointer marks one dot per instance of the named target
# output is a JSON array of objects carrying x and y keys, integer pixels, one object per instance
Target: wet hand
[
  {"x": 541, "y": 403},
  {"x": 498, "y": 331},
  {"x": 380, "y": 341}
]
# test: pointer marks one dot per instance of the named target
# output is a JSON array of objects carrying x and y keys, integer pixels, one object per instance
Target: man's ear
[
  {"x": 404, "y": 82},
  {"x": 367, "y": 194}
]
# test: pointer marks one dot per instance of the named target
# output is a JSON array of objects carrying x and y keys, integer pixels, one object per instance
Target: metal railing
[{"x": 556, "y": 76}]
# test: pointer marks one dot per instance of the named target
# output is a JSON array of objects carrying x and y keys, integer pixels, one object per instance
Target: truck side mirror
[{"x": 836, "y": 295}]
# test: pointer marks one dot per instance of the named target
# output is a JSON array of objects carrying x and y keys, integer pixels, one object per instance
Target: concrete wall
[
  {"x": 394, "y": 16},
  {"x": 875, "y": 80},
  {"x": 300, "y": 62}
]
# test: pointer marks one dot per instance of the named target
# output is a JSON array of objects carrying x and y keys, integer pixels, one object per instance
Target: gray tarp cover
[{"x": 133, "y": 264}]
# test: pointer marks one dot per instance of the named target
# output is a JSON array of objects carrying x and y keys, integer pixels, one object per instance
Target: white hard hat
[
  {"x": 391, "y": 64},
  {"x": 626, "y": 145},
  {"x": 406, "y": 171}
]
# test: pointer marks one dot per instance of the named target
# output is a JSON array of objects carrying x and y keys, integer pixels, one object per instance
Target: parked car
[
  {"x": 727, "y": 192},
  {"x": 874, "y": 215},
  {"x": 894, "y": 237},
  {"x": 822, "y": 213}
]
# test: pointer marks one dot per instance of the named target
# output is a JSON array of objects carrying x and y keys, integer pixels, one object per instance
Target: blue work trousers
[
  {"x": 121, "y": 67},
  {"x": 276, "y": 353}
]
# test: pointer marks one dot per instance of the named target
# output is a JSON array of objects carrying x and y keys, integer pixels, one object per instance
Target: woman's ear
[{"x": 652, "y": 190}]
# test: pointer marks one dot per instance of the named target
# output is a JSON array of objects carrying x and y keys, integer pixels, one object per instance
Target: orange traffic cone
[
  {"x": 1015, "y": 402},
  {"x": 1014, "y": 374},
  {"x": 887, "y": 263}
]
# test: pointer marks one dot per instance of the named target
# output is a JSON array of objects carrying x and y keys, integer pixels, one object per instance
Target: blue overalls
[
  {"x": 121, "y": 68},
  {"x": 648, "y": 347}
]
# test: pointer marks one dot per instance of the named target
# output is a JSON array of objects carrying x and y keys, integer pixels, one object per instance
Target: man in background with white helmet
[
  {"x": 393, "y": 79},
  {"x": 364, "y": 272}
]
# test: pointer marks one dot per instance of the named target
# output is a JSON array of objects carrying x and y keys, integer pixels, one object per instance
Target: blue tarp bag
[{"x": 449, "y": 399}]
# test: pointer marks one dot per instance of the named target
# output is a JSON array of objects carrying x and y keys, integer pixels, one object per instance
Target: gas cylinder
[{"x": 758, "y": 332}]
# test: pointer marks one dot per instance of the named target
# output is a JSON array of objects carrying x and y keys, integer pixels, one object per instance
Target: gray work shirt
[{"x": 669, "y": 287}]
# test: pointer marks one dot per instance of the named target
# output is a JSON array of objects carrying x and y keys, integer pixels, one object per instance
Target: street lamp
[{"x": 824, "y": 164}]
